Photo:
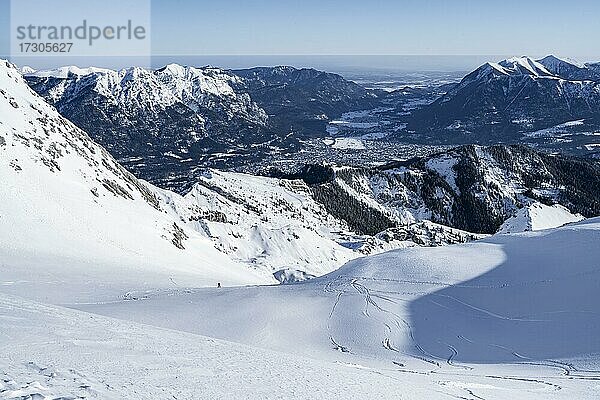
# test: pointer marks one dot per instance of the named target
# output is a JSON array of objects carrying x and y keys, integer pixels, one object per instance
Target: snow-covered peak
[
  {"x": 496, "y": 67},
  {"x": 524, "y": 66},
  {"x": 141, "y": 90},
  {"x": 173, "y": 69},
  {"x": 538, "y": 216},
  {"x": 516, "y": 66},
  {"x": 25, "y": 70},
  {"x": 133, "y": 73},
  {"x": 554, "y": 61},
  {"x": 548, "y": 67},
  {"x": 64, "y": 72},
  {"x": 191, "y": 81},
  {"x": 570, "y": 69}
]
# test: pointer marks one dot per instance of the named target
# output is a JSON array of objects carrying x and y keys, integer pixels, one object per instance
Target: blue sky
[
  {"x": 426, "y": 27},
  {"x": 535, "y": 27}
]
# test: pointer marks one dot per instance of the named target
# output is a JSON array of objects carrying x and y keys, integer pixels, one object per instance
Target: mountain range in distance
[
  {"x": 519, "y": 99},
  {"x": 161, "y": 124}
]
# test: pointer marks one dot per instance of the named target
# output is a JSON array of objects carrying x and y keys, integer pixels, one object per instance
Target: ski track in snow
[
  {"x": 362, "y": 290},
  {"x": 374, "y": 305},
  {"x": 369, "y": 302}
]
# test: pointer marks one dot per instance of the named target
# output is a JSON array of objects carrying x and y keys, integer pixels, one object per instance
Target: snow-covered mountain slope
[
  {"x": 78, "y": 229},
  {"x": 473, "y": 320},
  {"x": 68, "y": 210},
  {"x": 538, "y": 216},
  {"x": 512, "y": 316},
  {"x": 570, "y": 69},
  {"x": 523, "y": 66},
  {"x": 276, "y": 225},
  {"x": 192, "y": 86},
  {"x": 473, "y": 188},
  {"x": 52, "y": 353},
  {"x": 501, "y": 101},
  {"x": 267, "y": 223}
]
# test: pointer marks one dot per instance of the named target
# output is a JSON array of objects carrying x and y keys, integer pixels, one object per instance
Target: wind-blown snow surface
[
  {"x": 512, "y": 316},
  {"x": 52, "y": 353}
]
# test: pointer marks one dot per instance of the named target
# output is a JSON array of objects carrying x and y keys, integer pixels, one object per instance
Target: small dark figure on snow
[{"x": 218, "y": 284}]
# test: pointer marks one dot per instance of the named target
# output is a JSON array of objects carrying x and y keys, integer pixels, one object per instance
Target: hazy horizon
[
  {"x": 331, "y": 63},
  {"x": 397, "y": 35}
]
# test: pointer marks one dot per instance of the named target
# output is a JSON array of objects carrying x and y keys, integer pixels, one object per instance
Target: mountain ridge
[{"x": 505, "y": 101}]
